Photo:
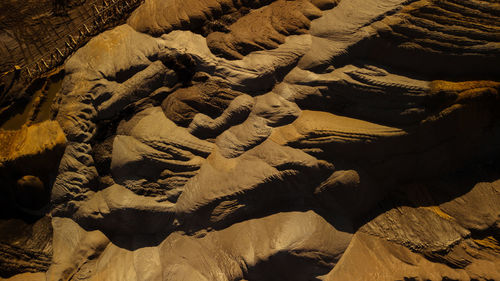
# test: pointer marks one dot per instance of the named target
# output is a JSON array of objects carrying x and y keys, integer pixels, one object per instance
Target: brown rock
[
  {"x": 264, "y": 28},
  {"x": 29, "y": 159},
  {"x": 208, "y": 97},
  {"x": 30, "y": 192}
]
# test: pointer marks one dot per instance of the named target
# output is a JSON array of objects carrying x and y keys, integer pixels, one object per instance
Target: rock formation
[
  {"x": 29, "y": 159},
  {"x": 273, "y": 140}
]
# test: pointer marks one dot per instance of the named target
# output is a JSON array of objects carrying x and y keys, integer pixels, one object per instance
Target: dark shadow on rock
[
  {"x": 288, "y": 266},
  {"x": 435, "y": 192}
]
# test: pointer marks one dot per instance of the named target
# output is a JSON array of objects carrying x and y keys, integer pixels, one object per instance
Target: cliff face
[{"x": 281, "y": 140}]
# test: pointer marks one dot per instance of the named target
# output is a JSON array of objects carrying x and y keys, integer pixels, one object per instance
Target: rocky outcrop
[
  {"x": 398, "y": 245},
  {"x": 210, "y": 98},
  {"x": 159, "y": 17},
  {"x": 457, "y": 38},
  {"x": 25, "y": 246},
  {"x": 91, "y": 81},
  {"x": 263, "y": 29},
  {"x": 255, "y": 249},
  {"x": 151, "y": 153},
  {"x": 29, "y": 159}
]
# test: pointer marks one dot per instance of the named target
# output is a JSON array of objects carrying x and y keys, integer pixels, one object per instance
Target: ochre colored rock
[
  {"x": 30, "y": 141},
  {"x": 29, "y": 160}
]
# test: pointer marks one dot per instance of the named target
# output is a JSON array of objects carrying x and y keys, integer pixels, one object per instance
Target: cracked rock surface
[{"x": 272, "y": 140}]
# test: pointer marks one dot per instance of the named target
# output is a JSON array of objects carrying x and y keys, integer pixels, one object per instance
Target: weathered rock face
[
  {"x": 264, "y": 28},
  {"x": 29, "y": 159},
  {"x": 281, "y": 140},
  {"x": 26, "y": 246}
]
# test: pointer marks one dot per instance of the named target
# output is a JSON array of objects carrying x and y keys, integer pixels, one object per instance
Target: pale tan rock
[
  {"x": 478, "y": 209},
  {"x": 238, "y": 110},
  {"x": 157, "y": 17},
  {"x": 115, "y": 204},
  {"x": 148, "y": 147},
  {"x": 182, "y": 106},
  {"x": 325, "y": 127},
  {"x": 223, "y": 182},
  {"x": 257, "y": 248},
  {"x": 73, "y": 247},
  {"x": 264, "y": 28},
  {"x": 383, "y": 260},
  {"x": 303, "y": 239}
]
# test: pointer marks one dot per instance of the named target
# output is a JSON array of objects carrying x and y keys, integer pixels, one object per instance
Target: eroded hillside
[{"x": 266, "y": 140}]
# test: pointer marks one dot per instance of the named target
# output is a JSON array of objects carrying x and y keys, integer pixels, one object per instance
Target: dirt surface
[
  {"x": 28, "y": 30},
  {"x": 37, "y": 37}
]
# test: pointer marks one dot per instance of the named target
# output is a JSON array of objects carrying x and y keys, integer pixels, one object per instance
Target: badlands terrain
[{"x": 240, "y": 140}]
